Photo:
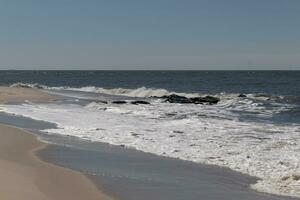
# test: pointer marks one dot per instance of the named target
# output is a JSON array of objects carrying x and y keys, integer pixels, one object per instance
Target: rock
[
  {"x": 293, "y": 177},
  {"x": 296, "y": 177},
  {"x": 135, "y": 134},
  {"x": 119, "y": 102},
  {"x": 139, "y": 102},
  {"x": 206, "y": 99},
  {"x": 242, "y": 95},
  {"x": 173, "y": 98},
  {"x": 156, "y": 97},
  {"x": 281, "y": 163},
  {"x": 178, "y": 132},
  {"x": 170, "y": 114}
]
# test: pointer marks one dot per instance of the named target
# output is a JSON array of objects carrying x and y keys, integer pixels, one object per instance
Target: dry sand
[
  {"x": 23, "y": 176},
  {"x": 19, "y": 94}
]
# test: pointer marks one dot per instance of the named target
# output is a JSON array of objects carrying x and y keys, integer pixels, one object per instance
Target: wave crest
[
  {"x": 145, "y": 92},
  {"x": 138, "y": 92}
]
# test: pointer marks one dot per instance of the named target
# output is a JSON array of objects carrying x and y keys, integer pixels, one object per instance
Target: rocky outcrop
[
  {"x": 242, "y": 95},
  {"x": 139, "y": 102},
  {"x": 206, "y": 99},
  {"x": 173, "y": 98},
  {"x": 119, "y": 102}
]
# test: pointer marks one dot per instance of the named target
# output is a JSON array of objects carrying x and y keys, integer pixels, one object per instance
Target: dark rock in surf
[
  {"x": 242, "y": 95},
  {"x": 119, "y": 102},
  {"x": 162, "y": 97},
  {"x": 139, "y": 102},
  {"x": 206, "y": 99},
  {"x": 173, "y": 98},
  {"x": 180, "y": 132},
  {"x": 156, "y": 97}
]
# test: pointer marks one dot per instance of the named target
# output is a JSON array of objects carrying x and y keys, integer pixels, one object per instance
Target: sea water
[{"x": 258, "y": 135}]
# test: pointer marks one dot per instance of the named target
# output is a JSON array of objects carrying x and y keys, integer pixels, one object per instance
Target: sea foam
[
  {"x": 209, "y": 134},
  {"x": 144, "y": 92}
]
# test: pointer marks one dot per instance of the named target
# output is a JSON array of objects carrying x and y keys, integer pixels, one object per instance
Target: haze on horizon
[{"x": 156, "y": 34}]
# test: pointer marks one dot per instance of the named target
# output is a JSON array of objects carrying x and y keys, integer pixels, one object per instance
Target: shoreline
[
  {"x": 25, "y": 176},
  {"x": 19, "y": 95},
  {"x": 35, "y": 152},
  {"x": 214, "y": 182}
]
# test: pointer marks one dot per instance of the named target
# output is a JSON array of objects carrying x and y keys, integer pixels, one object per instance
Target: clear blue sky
[{"x": 150, "y": 34}]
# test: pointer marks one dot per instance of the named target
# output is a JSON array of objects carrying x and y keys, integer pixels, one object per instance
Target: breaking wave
[
  {"x": 210, "y": 134},
  {"x": 145, "y": 92},
  {"x": 138, "y": 92}
]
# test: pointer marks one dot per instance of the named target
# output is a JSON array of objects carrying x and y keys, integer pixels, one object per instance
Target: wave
[
  {"x": 145, "y": 92},
  {"x": 138, "y": 92},
  {"x": 205, "y": 134},
  {"x": 210, "y": 134}
]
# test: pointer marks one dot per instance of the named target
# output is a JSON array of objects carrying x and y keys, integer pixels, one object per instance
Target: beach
[
  {"x": 150, "y": 100},
  {"x": 23, "y": 175},
  {"x": 20, "y": 94},
  {"x": 158, "y": 150}
]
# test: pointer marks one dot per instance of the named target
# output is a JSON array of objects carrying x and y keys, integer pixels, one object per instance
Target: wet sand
[
  {"x": 129, "y": 174},
  {"x": 123, "y": 173},
  {"x": 20, "y": 94},
  {"x": 24, "y": 176}
]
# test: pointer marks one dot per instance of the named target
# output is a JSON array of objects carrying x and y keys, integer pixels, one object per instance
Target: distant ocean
[
  {"x": 254, "y": 129},
  {"x": 267, "y": 82}
]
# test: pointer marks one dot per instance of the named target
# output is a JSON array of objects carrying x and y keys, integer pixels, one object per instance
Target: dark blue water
[
  {"x": 282, "y": 86},
  {"x": 270, "y": 82}
]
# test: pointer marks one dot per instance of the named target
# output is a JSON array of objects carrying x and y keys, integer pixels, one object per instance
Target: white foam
[
  {"x": 210, "y": 134},
  {"x": 137, "y": 92}
]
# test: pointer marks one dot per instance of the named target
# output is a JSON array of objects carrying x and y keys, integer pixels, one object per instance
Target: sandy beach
[
  {"x": 20, "y": 94},
  {"x": 23, "y": 175},
  {"x": 28, "y": 170}
]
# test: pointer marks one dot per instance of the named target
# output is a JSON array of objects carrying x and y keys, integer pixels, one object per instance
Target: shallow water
[
  {"x": 133, "y": 175},
  {"x": 257, "y": 134}
]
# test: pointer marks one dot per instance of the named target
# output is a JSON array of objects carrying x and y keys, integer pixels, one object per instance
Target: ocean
[
  {"x": 254, "y": 129},
  {"x": 268, "y": 82}
]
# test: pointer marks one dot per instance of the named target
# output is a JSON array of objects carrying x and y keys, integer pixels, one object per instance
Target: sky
[{"x": 150, "y": 34}]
